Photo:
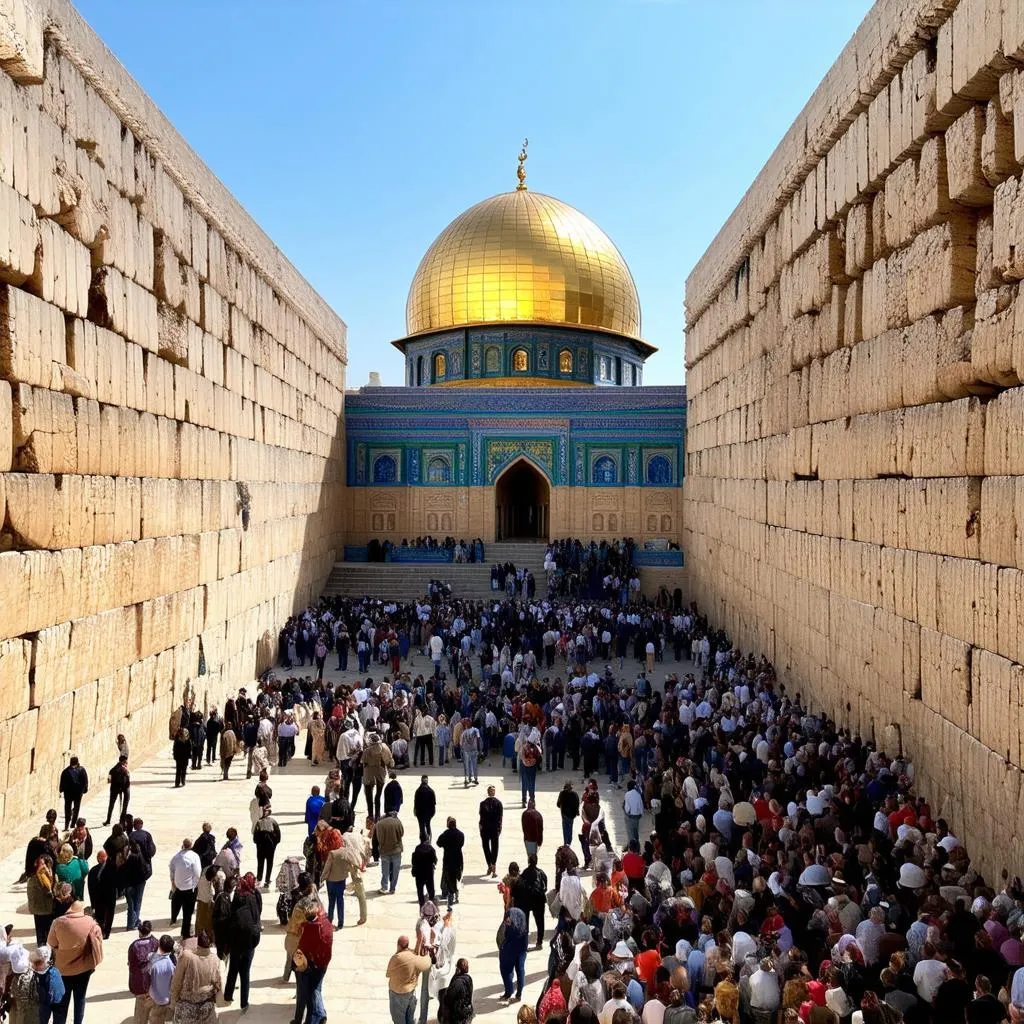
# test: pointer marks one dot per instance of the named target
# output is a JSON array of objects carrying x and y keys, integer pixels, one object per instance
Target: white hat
[
  {"x": 621, "y": 951},
  {"x": 911, "y": 877}
]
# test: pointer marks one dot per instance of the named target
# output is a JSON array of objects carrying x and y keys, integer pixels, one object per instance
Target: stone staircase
[{"x": 407, "y": 581}]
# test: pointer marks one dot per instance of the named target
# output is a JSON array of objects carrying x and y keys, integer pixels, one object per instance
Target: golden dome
[{"x": 523, "y": 256}]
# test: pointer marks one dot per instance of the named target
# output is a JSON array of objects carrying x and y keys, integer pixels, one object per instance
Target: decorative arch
[
  {"x": 440, "y": 366},
  {"x": 659, "y": 470},
  {"x": 492, "y": 359},
  {"x": 439, "y": 470},
  {"x": 522, "y": 496},
  {"x": 419, "y": 371},
  {"x": 385, "y": 469},
  {"x": 565, "y": 361},
  {"x": 520, "y": 361},
  {"x": 604, "y": 470}
]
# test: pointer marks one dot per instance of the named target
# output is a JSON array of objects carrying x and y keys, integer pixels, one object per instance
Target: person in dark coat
[
  {"x": 458, "y": 999},
  {"x": 102, "y": 883},
  {"x": 422, "y": 865},
  {"x": 214, "y": 727},
  {"x": 205, "y": 846},
  {"x": 243, "y": 937},
  {"x": 530, "y": 894},
  {"x": 451, "y": 841},
  {"x": 393, "y": 796},
  {"x": 182, "y": 752},
  {"x": 74, "y": 784},
  {"x": 197, "y": 734},
  {"x": 424, "y": 806}
]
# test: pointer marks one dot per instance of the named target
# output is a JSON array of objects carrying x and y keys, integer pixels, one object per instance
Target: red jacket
[{"x": 316, "y": 940}]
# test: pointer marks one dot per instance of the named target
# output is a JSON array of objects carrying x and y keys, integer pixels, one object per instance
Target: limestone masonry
[
  {"x": 854, "y": 492},
  {"x": 171, "y": 458}
]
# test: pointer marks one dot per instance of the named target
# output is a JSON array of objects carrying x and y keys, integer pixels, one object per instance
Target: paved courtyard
[{"x": 355, "y": 988}]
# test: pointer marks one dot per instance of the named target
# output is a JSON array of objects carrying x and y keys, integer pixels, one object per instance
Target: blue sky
[{"x": 355, "y": 130}]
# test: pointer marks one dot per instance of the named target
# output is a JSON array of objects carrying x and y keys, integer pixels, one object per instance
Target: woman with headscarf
[
  {"x": 72, "y": 869},
  {"x": 266, "y": 835},
  {"x": 196, "y": 984},
  {"x": 570, "y": 892},
  {"x": 246, "y": 910},
  {"x": 22, "y": 991},
  {"x": 222, "y": 917},
  {"x": 80, "y": 839},
  {"x": 47, "y": 983},
  {"x": 40, "y": 896},
  {"x": 304, "y": 899},
  {"x": 512, "y": 952},
  {"x": 182, "y": 752},
  {"x": 317, "y": 731}
]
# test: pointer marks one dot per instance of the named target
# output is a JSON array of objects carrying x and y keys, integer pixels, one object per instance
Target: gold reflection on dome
[{"x": 523, "y": 256}]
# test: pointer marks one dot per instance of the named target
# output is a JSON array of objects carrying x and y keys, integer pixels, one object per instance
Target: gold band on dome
[
  {"x": 513, "y": 382},
  {"x": 523, "y": 257}
]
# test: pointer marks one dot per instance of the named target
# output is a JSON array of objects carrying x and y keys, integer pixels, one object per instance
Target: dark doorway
[{"x": 521, "y": 499}]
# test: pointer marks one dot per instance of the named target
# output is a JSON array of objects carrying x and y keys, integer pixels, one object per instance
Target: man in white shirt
[
  {"x": 929, "y": 974},
  {"x": 764, "y": 988},
  {"x": 185, "y": 869},
  {"x": 633, "y": 805}
]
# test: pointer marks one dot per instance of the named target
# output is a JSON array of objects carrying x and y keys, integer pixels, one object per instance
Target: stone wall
[
  {"x": 855, "y": 442},
  {"x": 171, "y": 465}
]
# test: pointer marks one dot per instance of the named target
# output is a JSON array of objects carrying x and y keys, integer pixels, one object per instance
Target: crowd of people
[
  {"x": 598, "y": 570},
  {"x": 458, "y": 550},
  {"x": 788, "y": 871}
]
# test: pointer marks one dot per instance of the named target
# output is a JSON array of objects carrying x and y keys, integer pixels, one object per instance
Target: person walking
[
  {"x": 335, "y": 874},
  {"x": 451, "y": 841},
  {"x": 316, "y": 944},
  {"x": 530, "y": 754},
  {"x": 469, "y": 743},
  {"x": 182, "y": 751},
  {"x": 120, "y": 787},
  {"x": 77, "y": 946},
  {"x": 512, "y": 953},
  {"x": 389, "y": 832},
  {"x": 197, "y": 736},
  {"x": 422, "y": 864},
  {"x": 185, "y": 869},
  {"x": 568, "y": 804},
  {"x": 403, "y": 973},
  {"x": 214, "y": 728},
  {"x": 424, "y": 806},
  {"x": 266, "y": 835},
  {"x": 491, "y": 811},
  {"x": 74, "y": 784},
  {"x": 533, "y": 828},
  {"x": 354, "y": 845},
  {"x": 530, "y": 894},
  {"x": 246, "y": 910}
]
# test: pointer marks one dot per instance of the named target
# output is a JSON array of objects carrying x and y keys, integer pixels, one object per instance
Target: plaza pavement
[{"x": 355, "y": 989}]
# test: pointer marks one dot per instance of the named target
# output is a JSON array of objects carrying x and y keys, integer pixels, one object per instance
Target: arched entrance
[{"x": 521, "y": 503}]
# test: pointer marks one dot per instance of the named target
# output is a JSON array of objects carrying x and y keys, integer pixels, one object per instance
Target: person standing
[
  {"x": 266, "y": 835},
  {"x": 403, "y": 973},
  {"x": 512, "y": 953},
  {"x": 469, "y": 743},
  {"x": 491, "y": 812},
  {"x": 185, "y": 869},
  {"x": 318, "y": 733},
  {"x": 424, "y": 806},
  {"x": 245, "y": 934},
  {"x": 214, "y": 728},
  {"x": 335, "y": 875},
  {"x": 182, "y": 751},
  {"x": 135, "y": 888},
  {"x": 316, "y": 943},
  {"x": 120, "y": 787},
  {"x": 74, "y": 784},
  {"x": 568, "y": 804},
  {"x": 633, "y": 806},
  {"x": 376, "y": 760},
  {"x": 451, "y": 841},
  {"x": 197, "y": 735},
  {"x": 533, "y": 828},
  {"x": 102, "y": 884},
  {"x": 197, "y": 984},
  {"x": 458, "y": 998},
  {"x": 139, "y": 953},
  {"x": 422, "y": 865},
  {"x": 161, "y": 972},
  {"x": 530, "y": 894},
  {"x": 229, "y": 747},
  {"x": 389, "y": 832},
  {"x": 286, "y": 733},
  {"x": 355, "y": 851},
  {"x": 77, "y": 946},
  {"x": 314, "y": 804}
]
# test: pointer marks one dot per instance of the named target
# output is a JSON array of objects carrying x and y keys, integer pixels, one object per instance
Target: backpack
[{"x": 530, "y": 755}]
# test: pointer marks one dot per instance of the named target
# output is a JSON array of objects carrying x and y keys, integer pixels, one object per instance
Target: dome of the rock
[{"x": 523, "y": 257}]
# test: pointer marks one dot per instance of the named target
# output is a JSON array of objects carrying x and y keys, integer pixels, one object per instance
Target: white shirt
[
  {"x": 928, "y": 976},
  {"x": 186, "y": 867},
  {"x": 608, "y": 1011},
  {"x": 764, "y": 990},
  {"x": 633, "y": 803}
]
